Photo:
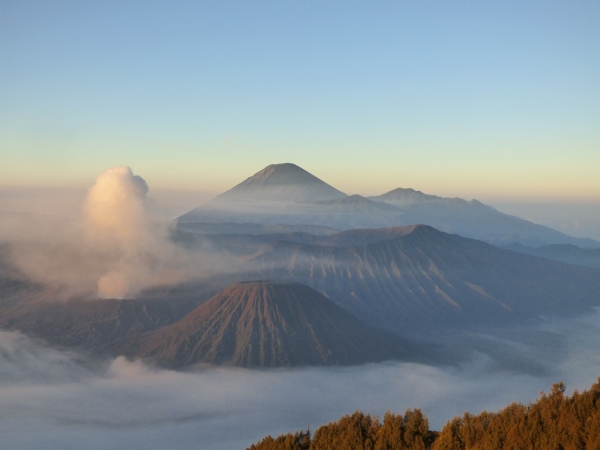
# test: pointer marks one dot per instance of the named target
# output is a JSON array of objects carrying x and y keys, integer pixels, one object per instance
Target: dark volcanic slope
[
  {"x": 420, "y": 279},
  {"x": 266, "y": 323},
  {"x": 91, "y": 323}
]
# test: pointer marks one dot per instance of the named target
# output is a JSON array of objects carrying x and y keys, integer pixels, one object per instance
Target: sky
[{"x": 489, "y": 100}]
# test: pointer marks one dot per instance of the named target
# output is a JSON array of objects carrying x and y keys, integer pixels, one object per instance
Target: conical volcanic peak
[
  {"x": 282, "y": 182},
  {"x": 267, "y": 324}
]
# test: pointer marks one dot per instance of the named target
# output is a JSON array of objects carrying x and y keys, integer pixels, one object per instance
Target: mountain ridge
[
  {"x": 285, "y": 194},
  {"x": 423, "y": 279},
  {"x": 416, "y": 282}
]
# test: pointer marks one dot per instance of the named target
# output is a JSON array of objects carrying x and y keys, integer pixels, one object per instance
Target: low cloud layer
[{"x": 56, "y": 400}]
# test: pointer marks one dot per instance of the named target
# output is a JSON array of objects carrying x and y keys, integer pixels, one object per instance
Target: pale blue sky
[{"x": 475, "y": 99}]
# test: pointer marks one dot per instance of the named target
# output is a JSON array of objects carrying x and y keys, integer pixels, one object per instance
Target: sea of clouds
[{"x": 52, "y": 399}]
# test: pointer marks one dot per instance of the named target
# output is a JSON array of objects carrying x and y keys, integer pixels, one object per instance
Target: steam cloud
[
  {"x": 110, "y": 249},
  {"x": 117, "y": 225}
]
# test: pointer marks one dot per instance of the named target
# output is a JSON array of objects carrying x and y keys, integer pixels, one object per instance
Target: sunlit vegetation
[
  {"x": 554, "y": 422},
  {"x": 359, "y": 431}
]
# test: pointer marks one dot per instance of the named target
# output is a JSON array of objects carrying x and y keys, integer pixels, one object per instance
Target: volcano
[
  {"x": 282, "y": 182},
  {"x": 270, "y": 196},
  {"x": 267, "y": 324}
]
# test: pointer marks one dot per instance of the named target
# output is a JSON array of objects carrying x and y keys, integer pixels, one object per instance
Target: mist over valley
[{"x": 329, "y": 302}]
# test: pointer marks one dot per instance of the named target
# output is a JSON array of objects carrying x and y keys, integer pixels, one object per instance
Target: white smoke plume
[
  {"x": 111, "y": 248},
  {"x": 115, "y": 207},
  {"x": 117, "y": 225}
]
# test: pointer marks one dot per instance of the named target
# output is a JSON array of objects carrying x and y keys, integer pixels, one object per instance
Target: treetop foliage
[{"x": 554, "y": 422}]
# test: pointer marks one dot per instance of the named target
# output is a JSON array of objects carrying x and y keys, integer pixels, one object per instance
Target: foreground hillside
[{"x": 554, "y": 421}]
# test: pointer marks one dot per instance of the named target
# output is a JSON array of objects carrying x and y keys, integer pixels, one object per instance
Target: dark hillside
[
  {"x": 262, "y": 323},
  {"x": 417, "y": 278}
]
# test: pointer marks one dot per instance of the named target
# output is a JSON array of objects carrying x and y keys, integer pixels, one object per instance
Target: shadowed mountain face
[
  {"x": 41, "y": 312},
  {"x": 419, "y": 280},
  {"x": 91, "y": 324},
  {"x": 265, "y": 198},
  {"x": 285, "y": 194},
  {"x": 416, "y": 279},
  {"x": 266, "y": 324}
]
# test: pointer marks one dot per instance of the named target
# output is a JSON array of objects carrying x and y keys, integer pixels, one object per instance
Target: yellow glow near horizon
[{"x": 466, "y": 181}]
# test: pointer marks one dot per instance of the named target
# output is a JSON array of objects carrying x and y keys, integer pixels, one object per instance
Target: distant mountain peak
[
  {"x": 270, "y": 190},
  {"x": 404, "y": 196},
  {"x": 283, "y": 182},
  {"x": 284, "y": 173},
  {"x": 285, "y": 194}
]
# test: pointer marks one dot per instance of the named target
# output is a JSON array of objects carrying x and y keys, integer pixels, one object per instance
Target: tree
[{"x": 390, "y": 435}]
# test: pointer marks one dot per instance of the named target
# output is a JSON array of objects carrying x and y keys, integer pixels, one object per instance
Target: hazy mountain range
[
  {"x": 285, "y": 194},
  {"x": 291, "y": 288}
]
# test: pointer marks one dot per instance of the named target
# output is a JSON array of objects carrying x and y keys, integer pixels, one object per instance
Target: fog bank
[{"x": 50, "y": 400}]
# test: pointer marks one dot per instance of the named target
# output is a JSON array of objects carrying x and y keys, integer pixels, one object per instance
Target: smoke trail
[
  {"x": 110, "y": 249},
  {"x": 118, "y": 227},
  {"x": 115, "y": 208}
]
